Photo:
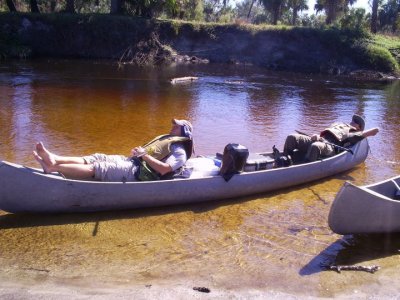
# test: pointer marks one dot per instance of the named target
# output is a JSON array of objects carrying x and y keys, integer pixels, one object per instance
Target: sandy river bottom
[{"x": 271, "y": 245}]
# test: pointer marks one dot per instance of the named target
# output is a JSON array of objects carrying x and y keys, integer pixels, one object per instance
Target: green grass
[
  {"x": 380, "y": 58},
  {"x": 386, "y": 50},
  {"x": 388, "y": 42}
]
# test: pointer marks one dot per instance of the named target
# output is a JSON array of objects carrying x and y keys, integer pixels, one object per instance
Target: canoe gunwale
[{"x": 58, "y": 176}]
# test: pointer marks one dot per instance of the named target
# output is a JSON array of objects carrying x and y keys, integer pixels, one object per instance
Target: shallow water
[{"x": 276, "y": 241}]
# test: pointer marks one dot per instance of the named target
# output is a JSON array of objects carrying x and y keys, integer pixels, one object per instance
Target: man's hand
[
  {"x": 315, "y": 137},
  {"x": 138, "y": 152}
]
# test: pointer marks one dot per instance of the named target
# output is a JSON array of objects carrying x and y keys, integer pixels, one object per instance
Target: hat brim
[
  {"x": 177, "y": 122},
  {"x": 359, "y": 120}
]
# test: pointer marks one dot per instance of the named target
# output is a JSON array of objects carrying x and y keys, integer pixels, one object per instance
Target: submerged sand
[{"x": 268, "y": 246}]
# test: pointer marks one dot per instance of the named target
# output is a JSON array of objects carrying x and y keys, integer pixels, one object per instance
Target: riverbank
[
  {"x": 180, "y": 291},
  {"x": 149, "y": 41}
]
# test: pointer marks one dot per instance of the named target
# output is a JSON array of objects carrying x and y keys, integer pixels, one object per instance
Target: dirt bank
[{"x": 145, "y": 41}]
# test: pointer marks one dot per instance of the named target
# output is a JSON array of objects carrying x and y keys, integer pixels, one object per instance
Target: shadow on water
[
  {"x": 9, "y": 221},
  {"x": 354, "y": 249}
]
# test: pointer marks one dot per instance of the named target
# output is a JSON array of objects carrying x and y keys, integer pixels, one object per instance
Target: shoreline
[
  {"x": 142, "y": 42},
  {"x": 167, "y": 292},
  {"x": 185, "y": 288}
]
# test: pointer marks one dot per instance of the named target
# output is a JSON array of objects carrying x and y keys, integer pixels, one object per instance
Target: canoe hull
[
  {"x": 366, "y": 209},
  {"x": 25, "y": 189}
]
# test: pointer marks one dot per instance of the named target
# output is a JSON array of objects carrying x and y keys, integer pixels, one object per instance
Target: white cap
[{"x": 187, "y": 127}]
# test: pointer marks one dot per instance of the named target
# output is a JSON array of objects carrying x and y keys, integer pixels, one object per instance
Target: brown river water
[{"x": 273, "y": 243}]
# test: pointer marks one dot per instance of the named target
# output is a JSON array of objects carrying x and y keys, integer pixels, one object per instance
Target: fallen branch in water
[
  {"x": 202, "y": 289},
  {"x": 369, "y": 269},
  {"x": 183, "y": 79}
]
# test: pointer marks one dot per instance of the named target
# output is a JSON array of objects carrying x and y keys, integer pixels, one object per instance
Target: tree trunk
[
  {"x": 11, "y": 6},
  {"x": 294, "y": 17},
  {"x": 374, "y": 16},
  {"x": 331, "y": 11},
  {"x": 251, "y": 7},
  {"x": 116, "y": 7},
  {"x": 396, "y": 19},
  {"x": 70, "y": 6},
  {"x": 276, "y": 15},
  {"x": 34, "y": 6},
  {"x": 53, "y": 5}
]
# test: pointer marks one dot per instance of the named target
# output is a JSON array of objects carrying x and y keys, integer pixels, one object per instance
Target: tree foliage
[
  {"x": 218, "y": 11},
  {"x": 297, "y": 6},
  {"x": 11, "y": 6},
  {"x": 276, "y": 8},
  {"x": 384, "y": 15},
  {"x": 191, "y": 10},
  {"x": 356, "y": 19},
  {"x": 389, "y": 16},
  {"x": 333, "y": 8},
  {"x": 253, "y": 12}
]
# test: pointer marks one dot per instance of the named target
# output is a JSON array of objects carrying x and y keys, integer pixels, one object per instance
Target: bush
[{"x": 381, "y": 59}]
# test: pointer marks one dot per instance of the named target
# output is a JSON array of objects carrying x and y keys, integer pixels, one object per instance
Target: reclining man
[
  {"x": 316, "y": 147},
  {"x": 160, "y": 157}
]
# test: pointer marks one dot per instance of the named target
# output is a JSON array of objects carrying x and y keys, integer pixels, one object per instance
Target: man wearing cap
[
  {"x": 158, "y": 158},
  {"x": 342, "y": 134}
]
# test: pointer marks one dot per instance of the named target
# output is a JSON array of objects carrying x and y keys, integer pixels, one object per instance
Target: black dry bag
[{"x": 233, "y": 160}]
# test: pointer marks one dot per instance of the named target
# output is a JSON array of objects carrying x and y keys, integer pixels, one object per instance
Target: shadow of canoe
[{"x": 354, "y": 249}]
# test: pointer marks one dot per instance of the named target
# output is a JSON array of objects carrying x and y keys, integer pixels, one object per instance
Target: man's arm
[
  {"x": 358, "y": 136},
  {"x": 370, "y": 132},
  {"x": 176, "y": 160},
  {"x": 157, "y": 165}
]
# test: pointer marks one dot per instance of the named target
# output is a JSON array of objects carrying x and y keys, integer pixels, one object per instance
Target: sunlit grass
[
  {"x": 384, "y": 46},
  {"x": 390, "y": 42}
]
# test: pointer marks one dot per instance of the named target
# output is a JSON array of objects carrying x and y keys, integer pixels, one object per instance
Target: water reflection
[
  {"x": 80, "y": 107},
  {"x": 57, "y": 101}
]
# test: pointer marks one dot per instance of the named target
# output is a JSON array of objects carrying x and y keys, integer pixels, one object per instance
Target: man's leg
[
  {"x": 76, "y": 171},
  {"x": 69, "y": 170},
  {"x": 52, "y": 159},
  {"x": 297, "y": 141},
  {"x": 100, "y": 166},
  {"x": 319, "y": 150}
]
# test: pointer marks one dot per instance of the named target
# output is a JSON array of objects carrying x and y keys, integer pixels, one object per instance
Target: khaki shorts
[
  {"x": 115, "y": 168},
  {"x": 310, "y": 149}
]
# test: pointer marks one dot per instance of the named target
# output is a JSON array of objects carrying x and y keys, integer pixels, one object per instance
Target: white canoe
[
  {"x": 366, "y": 209},
  {"x": 24, "y": 189}
]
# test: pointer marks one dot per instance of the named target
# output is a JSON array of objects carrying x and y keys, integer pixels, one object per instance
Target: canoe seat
[
  {"x": 256, "y": 162},
  {"x": 397, "y": 192},
  {"x": 397, "y": 195}
]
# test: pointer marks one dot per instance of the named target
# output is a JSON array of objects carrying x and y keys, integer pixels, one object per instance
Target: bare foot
[
  {"x": 47, "y": 157},
  {"x": 46, "y": 168}
]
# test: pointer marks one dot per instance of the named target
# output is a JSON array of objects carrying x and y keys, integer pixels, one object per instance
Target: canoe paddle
[{"x": 329, "y": 143}]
